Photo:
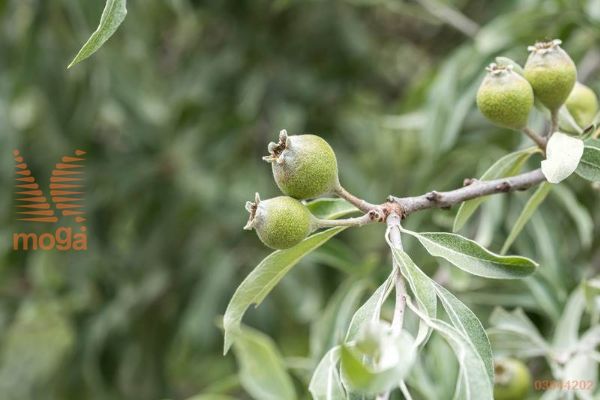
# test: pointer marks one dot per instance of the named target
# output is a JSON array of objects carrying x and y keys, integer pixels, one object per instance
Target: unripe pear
[
  {"x": 551, "y": 73},
  {"x": 582, "y": 103},
  {"x": 304, "y": 166},
  {"x": 281, "y": 222},
  {"x": 512, "y": 380},
  {"x": 505, "y": 97}
]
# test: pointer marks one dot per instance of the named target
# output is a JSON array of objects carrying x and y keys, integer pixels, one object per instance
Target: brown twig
[
  {"x": 404, "y": 206},
  {"x": 477, "y": 188},
  {"x": 371, "y": 216},
  {"x": 361, "y": 204},
  {"x": 540, "y": 141}
]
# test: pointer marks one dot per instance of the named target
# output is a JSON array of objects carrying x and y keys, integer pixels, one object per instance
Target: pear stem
[
  {"x": 404, "y": 206},
  {"x": 553, "y": 122},
  {"x": 540, "y": 141},
  {"x": 371, "y": 216},
  {"x": 361, "y": 204}
]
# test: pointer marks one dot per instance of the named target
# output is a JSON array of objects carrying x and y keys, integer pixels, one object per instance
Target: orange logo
[{"x": 66, "y": 185}]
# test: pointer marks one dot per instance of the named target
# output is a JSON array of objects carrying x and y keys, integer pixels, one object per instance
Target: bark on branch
[
  {"x": 404, "y": 206},
  {"x": 474, "y": 189}
]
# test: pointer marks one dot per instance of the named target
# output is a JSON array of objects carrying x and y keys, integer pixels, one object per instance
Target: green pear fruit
[
  {"x": 582, "y": 103},
  {"x": 551, "y": 73},
  {"x": 512, "y": 379},
  {"x": 304, "y": 166},
  {"x": 281, "y": 222},
  {"x": 505, "y": 97}
]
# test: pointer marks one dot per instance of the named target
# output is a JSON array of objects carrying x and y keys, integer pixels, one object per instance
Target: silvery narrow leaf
[
  {"x": 271, "y": 380},
  {"x": 530, "y": 208},
  {"x": 581, "y": 373},
  {"x": 422, "y": 288},
  {"x": 563, "y": 154},
  {"x": 113, "y": 15},
  {"x": 591, "y": 292},
  {"x": 566, "y": 333},
  {"x": 257, "y": 285},
  {"x": 326, "y": 383},
  {"x": 513, "y": 333},
  {"x": 472, "y": 258},
  {"x": 466, "y": 322},
  {"x": 589, "y": 167},
  {"x": 473, "y": 382},
  {"x": 330, "y": 327},
  {"x": 371, "y": 309}
]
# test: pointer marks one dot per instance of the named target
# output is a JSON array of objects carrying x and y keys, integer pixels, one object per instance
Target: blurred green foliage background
[{"x": 175, "y": 113}]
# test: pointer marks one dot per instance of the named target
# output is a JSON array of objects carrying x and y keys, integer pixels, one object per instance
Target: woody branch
[{"x": 473, "y": 188}]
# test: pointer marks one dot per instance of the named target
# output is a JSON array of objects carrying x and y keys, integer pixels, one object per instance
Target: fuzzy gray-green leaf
[
  {"x": 264, "y": 277},
  {"x": 532, "y": 205},
  {"x": 474, "y": 383},
  {"x": 467, "y": 322},
  {"x": 371, "y": 309},
  {"x": 326, "y": 383},
  {"x": 262, "y": 370},
  {"x": 113, "y": 15},
  {"x": 589, "y": 166},
  {"x": 421, "y": 286},
  {"x": 514, "y": 333},
  {"x": 578, "y": 212},
  {"x": 471, "y": 257}
]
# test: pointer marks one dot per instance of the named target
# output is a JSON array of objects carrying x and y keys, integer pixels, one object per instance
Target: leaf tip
[
  {"x": 227, "y": 342},
  {"x": 456, "y": 226}
]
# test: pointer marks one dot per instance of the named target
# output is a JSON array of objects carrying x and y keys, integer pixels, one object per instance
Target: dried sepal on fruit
[
  {"x": 281, "y": 222},
  {"x": 304, "y": 166},
  {"x": 551, "y": 73},
  {"x": 505, "y": 62},
  {"x": 505, "y": 97}
]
